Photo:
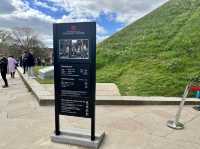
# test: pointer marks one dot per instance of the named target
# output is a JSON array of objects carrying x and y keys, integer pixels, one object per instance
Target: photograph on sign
[{"x": 74, "y": 48}]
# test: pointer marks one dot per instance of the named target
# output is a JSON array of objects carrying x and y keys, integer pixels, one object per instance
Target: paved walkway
[{"x": 26, "y": 125}]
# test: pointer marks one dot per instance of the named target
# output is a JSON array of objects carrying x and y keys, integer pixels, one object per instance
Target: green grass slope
[{"x": 155, "y": 55}]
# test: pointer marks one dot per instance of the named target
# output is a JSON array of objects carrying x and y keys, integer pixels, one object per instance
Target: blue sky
[
  {"x": 104, "y": 20},
  {"x": 110, "y": 15}
]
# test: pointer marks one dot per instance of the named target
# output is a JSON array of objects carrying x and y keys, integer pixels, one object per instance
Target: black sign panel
[{"x": 74, "y": 67}]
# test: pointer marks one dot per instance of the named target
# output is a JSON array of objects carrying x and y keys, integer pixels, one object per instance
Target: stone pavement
[{"x": 26, "y": 125}]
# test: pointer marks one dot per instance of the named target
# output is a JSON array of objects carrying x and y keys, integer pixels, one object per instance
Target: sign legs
[
  {"x": 93, "y": 129},
  {"x": 57, "y": 125}
]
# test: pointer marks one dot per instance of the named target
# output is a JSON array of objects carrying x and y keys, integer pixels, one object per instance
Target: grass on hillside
[{"x": 156, "y": 55}]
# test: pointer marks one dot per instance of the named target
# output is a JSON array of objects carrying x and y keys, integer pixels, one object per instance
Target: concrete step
[{"x": 107, "y": 95}]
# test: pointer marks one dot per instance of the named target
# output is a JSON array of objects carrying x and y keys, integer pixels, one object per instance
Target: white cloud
[
  {"x": 101, "y": 30},
  {"x": 136, "y": 9},
  {"x": 45, "y": 5},
  {"x": 126, "y": 10},
  {"x": 69, "y": 18},
  {"x": 17, "y": 13},
  {"x": 47, "y": 39},
  {"x": 19, "y": 5},
  {"x": 100, "y": 38},
  {"x": 24, "y": 16},
  {"x": 5, "y": 7}
]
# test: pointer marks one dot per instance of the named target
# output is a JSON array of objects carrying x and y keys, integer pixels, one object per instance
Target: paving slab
[{"x": 24, "y": 124}]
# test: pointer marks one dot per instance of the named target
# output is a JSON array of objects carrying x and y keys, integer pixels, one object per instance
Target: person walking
[
  {"x": 21, "y": 61},
  {"x": 12, "y": 66},
  {"x": 3, "y": 69},
  {"x": 25, "y": 61},
  {"x": 30, "y": 64}
]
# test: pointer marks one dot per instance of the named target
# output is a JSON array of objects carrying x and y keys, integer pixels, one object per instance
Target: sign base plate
[
  {"x": 174, "y": 125},
  {"x": 78, "y": 137}
]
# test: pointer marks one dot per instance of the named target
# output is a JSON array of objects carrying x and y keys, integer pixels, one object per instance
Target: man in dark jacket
[
  {"x": 30, "y": 64},
  {"x": 3, "y": 68},
  {"x": 25, "y": 61}
]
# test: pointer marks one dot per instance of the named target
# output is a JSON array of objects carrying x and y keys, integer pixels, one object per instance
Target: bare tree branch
[{"x": 25, "y": 38}]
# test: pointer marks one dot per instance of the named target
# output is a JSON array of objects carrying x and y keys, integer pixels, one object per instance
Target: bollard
[{"x": 175, "y": 124}]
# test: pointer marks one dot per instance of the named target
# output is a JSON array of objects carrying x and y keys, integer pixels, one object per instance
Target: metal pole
[
  {"x": 178, "y": 114},
  {"x": 57, "y": 124},
  {"x": 57, "y": 117},
  {"x": 93, "y": 128},
  {"x": 93, "y": 119},
  {"x": 93, "y": 79},
  {"x": 176, "y": 124}
]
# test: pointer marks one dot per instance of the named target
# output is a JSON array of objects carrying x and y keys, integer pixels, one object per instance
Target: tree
[
  {"x": 18, "y": 40},
  {"x": 26, "y": 39},
  {"x": 5, "y": 37}
]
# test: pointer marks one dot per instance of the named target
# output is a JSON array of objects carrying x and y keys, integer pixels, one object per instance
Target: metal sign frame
[{"x": 74, "y": 32}]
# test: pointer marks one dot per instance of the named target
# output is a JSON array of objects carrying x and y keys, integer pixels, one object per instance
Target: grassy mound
[{"x": 156, "y": 55}]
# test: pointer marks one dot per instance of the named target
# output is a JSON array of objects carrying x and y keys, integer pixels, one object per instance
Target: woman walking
[{"x": 12, "y": 66}]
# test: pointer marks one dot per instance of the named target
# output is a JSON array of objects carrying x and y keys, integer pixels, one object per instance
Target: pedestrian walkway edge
[{"x": 46, "y": 99}]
